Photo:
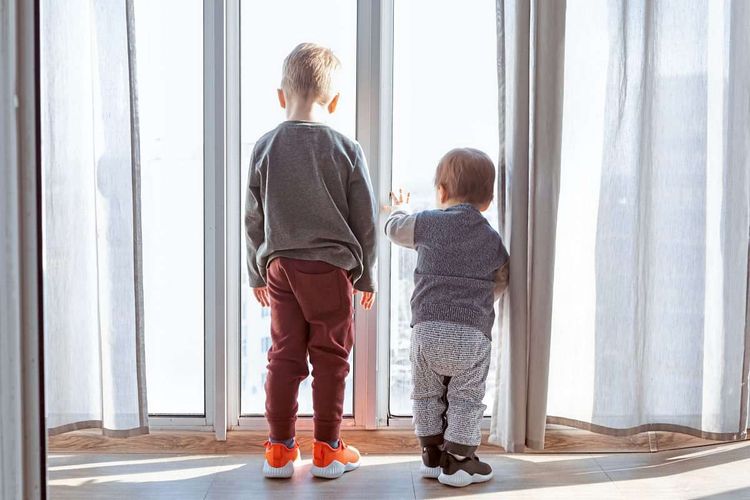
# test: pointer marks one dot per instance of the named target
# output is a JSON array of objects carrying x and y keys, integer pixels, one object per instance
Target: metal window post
[
  {"x": 215, "y": 217},
  {"x": 233, "y": 210},
  {"x": 374, "y": 132}
]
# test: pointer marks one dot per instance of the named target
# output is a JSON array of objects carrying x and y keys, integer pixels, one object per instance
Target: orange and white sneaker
[
  {"x": 331, "y": 463},
  {"x": 280, "y": 460}
]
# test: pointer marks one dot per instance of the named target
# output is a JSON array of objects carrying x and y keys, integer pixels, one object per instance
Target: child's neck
[
  {"x": 304, "y": 111},
  {"x": 451, "y": 203}
]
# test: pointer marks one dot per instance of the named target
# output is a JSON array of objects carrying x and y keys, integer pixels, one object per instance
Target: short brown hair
[
  {"x": 308, "y": 72},
  {"x": 467, "y": 175}
]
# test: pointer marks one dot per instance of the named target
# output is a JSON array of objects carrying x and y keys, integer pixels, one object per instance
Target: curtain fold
[
  {"x": 22, "y": 434},
  {"x": 92, "y": 234},
  {"x": 738, "y": 153},
  {"x": 531, "y": 38},
  {"x": 11, "y": 414}
]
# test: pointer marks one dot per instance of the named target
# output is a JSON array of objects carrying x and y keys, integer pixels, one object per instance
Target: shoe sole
[
  {"x": 430, "y": 472},
  {"x": 334, "y": 470},
  {"x": 462, "y": 478},
  {"x": 284, "y": 472}
]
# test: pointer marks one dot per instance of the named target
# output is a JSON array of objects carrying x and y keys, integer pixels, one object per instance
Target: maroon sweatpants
[{"x": 311, "y": 313}]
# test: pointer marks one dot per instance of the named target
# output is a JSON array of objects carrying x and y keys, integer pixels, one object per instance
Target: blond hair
[
  {"x": 467, "y": 175},
  {"x": 308, "y": 72}
]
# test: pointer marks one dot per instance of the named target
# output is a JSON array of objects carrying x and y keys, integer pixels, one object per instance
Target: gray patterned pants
[{"x": 449, "y": 370}]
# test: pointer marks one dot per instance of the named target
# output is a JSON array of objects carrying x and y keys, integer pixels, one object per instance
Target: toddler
[{"x": 462, "y": 267}]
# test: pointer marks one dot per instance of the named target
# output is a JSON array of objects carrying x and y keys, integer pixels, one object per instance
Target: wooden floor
[
  {"x": 721, "y": 471},
  {"x": 558, "y": 440}
]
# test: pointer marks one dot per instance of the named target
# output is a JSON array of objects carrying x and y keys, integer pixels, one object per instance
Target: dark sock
[
  {"x": 333, "y": 444},
  {"x": 289, "y": 443}
]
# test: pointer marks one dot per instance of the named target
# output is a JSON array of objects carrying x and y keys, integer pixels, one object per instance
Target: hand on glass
[
  {"x": 261, "y": 295},
  {"x": 399, "y": 200},
  {"x": 367, "y": 299}
]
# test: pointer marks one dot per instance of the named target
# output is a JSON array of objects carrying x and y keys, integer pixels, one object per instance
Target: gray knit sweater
[
  {"x": 461, "y": 264},
  {"x": 309, "y": 197}
]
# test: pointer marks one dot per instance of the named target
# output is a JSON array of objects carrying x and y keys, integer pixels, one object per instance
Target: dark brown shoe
[
  {"x": 431, "y": 455},
  {"x": 460, "y": 473}
]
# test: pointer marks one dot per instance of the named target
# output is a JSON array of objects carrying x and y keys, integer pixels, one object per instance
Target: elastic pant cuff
[
  {"x": 281, "y": 430},
  {"x": 459, "y": 449},
  {"x": 327, "y": 431},
  {"x": 434, "y": 440}
]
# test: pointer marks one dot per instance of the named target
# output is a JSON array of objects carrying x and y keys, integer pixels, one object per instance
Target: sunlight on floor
[
  {"x": 117, "y": 463},
  {"x": 176, "y": 474}
]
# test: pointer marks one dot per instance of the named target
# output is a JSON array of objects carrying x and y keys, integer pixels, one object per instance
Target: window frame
[
  {"x": 222, "y": 223},
  {"x": 214, "y": 288}
]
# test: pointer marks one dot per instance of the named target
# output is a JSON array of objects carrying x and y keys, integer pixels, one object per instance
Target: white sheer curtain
[
  {"x": 93, "y": 274},
  {"x": 629, "y": 251},
  {"x": 649, "y": 322}
]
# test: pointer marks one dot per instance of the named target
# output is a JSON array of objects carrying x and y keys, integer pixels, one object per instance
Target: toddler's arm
[
  {"x": 501, "y": 279},
  {"x": 400, "y": 227}
]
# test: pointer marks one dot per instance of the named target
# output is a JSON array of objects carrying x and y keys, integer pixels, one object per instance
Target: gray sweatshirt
[
  {"x": 462, "y": 264},
  {"x": 309, "y": 197}
]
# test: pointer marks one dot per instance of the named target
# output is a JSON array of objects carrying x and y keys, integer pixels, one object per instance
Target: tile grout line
[
  {"x": 413, "y": 487},
  {"x": 612, "y": 481},
  {"x": 210, "y": 485}
]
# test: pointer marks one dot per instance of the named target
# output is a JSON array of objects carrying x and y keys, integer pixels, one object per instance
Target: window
[
  {"x": 444, "y": 96},
  {"x": 332, "y": 23},
  {"x": 421, "y": 93},
  {"x": 429, "y": 117},
  {"x": 169, "y": 63}
]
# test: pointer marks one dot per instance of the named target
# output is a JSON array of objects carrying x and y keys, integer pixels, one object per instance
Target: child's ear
[
  {"x": 282, "y": 98},
  {"x": 442, "y": 194},
  {"x": 334, "y": 103}
]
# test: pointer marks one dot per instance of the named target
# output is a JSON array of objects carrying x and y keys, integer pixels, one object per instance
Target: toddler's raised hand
[{"x": 399, "y": 200}]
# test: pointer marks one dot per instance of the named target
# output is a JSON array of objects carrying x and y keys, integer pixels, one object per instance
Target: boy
[
  {"x": 461, "y": 270},
  {"x": 310, "y": 234}
]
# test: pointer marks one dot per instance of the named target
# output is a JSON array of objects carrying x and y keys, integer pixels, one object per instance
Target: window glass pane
[
  {"x": 169, "y": 48},
  {"x": 574, "y": 313},
  {"x": 444, "y": 96},
  {"x": 268, "y": 34}
]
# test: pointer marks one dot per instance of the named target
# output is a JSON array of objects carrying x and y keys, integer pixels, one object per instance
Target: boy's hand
[
  {"x": 261, "y": 295},
  {"x": 399, "y": 200},
  {"x": 367, "y": 300}
]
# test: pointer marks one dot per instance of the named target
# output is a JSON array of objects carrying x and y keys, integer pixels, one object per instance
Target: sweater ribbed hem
[{"x": 454, "y": 314}]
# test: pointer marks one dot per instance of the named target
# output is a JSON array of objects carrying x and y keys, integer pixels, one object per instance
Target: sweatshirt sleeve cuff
[
  {"x": 365, "y": 284},
  {"x": 256, "y": 282}
]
